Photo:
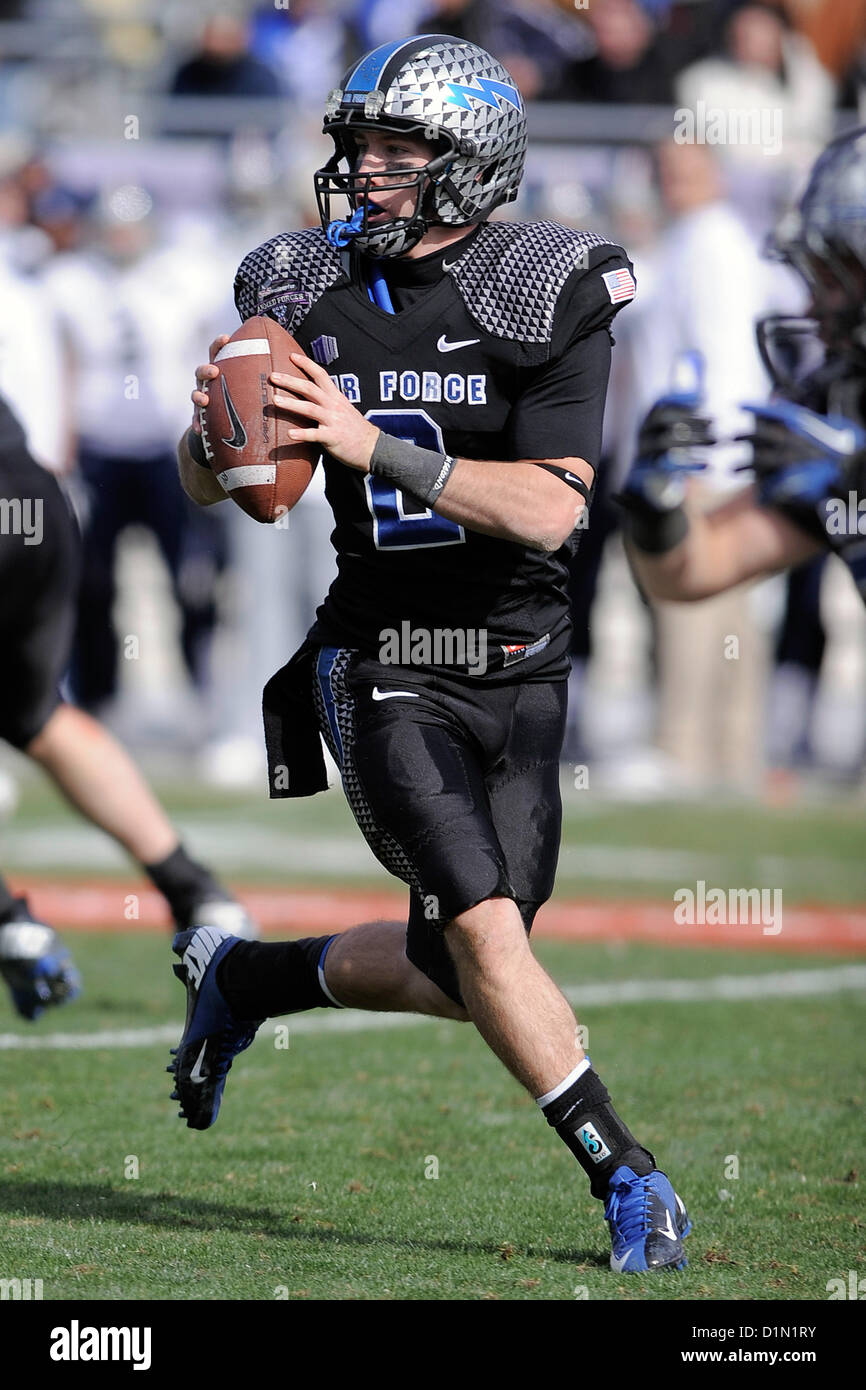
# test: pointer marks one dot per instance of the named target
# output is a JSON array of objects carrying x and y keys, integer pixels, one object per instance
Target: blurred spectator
[
  {"x": 852, "y": 88},
  {"x": 465, "y": 19},
  {"x": 31, "y": 358},
  {"x": 14, "y": 205},
  {"x": 30, "y": 345},
  {"x": 630, "y": 62},
  {"x": 61, "y": 213},
  {"x": 24, "y": 179},
  {"x": 307, "y": 45},
  {"x": 134, "y": 316},
  {"x": 539, "y": 48},
  {"x": 530, "y": 37},
  {"x": 637, "y": 48},
  {"x": 766, "y": 67},
  {"x": 223, "y": 66},
  {"x": 381, "y": 21}
]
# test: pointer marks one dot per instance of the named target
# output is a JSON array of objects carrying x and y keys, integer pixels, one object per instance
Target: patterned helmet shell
[{"x": 458, "y": 96}]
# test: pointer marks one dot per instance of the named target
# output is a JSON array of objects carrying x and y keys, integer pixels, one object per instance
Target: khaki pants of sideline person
[{"x": 713, "y": 663}]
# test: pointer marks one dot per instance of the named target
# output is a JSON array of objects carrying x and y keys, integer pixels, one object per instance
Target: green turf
[
  {"x": 312, "y": 1185},
  {"x": 813, "y": 853}
]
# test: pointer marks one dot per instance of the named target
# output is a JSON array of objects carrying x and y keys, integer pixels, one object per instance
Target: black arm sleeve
[{"x": 560, "y": 414}]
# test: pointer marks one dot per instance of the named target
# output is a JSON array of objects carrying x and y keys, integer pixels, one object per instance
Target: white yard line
[
  {"x": 249, "y": 848},
  {"x": 779, "y": 984}
]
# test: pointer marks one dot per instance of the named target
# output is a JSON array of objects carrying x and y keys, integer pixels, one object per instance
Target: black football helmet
[{"x": 824, "y": 240}]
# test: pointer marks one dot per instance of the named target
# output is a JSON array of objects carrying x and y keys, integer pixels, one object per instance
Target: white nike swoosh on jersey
[
  {"x": 618, "y": 1261},
  {"x": 444, "y": 346},
  {"x": 196, "y": 1074},
  {"x": 447, "y": 265},
  {"x": 389, "y": 694}
]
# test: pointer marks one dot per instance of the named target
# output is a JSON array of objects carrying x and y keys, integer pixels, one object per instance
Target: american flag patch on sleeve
[{"x": 620, "y": 285}]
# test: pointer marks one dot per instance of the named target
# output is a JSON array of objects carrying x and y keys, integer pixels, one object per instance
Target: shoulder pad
[
  {"x": 513, "y": 273},
  {"x": 284, "y": 277}
]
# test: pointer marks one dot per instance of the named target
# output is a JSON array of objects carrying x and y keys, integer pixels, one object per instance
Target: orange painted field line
[{"x": 125, "y": 906}]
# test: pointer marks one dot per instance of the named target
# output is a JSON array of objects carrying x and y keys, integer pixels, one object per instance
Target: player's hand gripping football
[
  {"x": 335, "y": 424},
  {"x": 802, "y": 458},
  {"x": 204, "y": 374},
  {"x": 670, "y": 431}
]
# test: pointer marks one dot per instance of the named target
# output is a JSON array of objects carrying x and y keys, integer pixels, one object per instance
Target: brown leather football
[{"x": 245, "y": 436}]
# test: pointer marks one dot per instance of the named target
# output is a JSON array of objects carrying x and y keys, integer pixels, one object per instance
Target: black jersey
[
  {"x": 13, "y": 441},
  {"x": 38, "y": 586},
  {"x": 499, "y": 349}
]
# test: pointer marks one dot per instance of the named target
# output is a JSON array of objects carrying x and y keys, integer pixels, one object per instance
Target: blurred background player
[
  {"x": 128, "y": 309},
  {"x": 808, "y": 444},
  {"x": 706, "y": 288},
  {"x": 39, "y": 566}
]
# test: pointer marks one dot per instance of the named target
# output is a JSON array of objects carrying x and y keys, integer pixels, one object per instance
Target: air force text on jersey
[{"x": 455, "y": 387}]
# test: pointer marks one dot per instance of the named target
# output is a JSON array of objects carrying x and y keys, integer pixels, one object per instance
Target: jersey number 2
[{"x": 394, "y": 526}]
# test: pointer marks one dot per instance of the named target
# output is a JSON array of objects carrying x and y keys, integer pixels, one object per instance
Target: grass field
[
  {"x": 314, "y": 1183},
  {"x": 814, "y": 853}
]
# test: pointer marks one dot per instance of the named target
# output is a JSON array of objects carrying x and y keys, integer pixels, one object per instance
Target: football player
[
  {"x": 809, "y": 443},
  {"x": 454, "y": 376},
  {"x": 38, "y": 569}
]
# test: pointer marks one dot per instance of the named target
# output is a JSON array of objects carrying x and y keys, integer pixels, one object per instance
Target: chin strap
[{"x": 340, "y": 233}]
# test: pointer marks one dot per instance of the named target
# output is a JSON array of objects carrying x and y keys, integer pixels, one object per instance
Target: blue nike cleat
[
  {"x": 212, "y": 1036},
  {"x": 35, "y": 964},
  {"x": 648, "y": 1223}
]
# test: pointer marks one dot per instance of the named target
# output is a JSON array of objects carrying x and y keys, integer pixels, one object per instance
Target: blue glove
[
  {"x": 809, "y": 465},
  {"x": 655, "y": 488},
  {"x": 802, "y": 459},
  {"x": 669, "y": 433}
]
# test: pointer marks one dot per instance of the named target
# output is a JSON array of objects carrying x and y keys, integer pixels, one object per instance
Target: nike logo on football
[
  {"x": 389, "y": 694},
  {"x": 617, "y": 1262},
  {"x": 239, "y": 438},
  {"x": 444, "y": 346},
  {"x": 196, "y": 1073}
]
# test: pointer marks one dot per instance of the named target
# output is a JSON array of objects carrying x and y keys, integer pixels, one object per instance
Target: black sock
[
  {"x": 263, "y": 979},
  {"x": 7, "y": 899},
  {"x": 183, "y": 883},
  {"x": 585, "y": 1120}
]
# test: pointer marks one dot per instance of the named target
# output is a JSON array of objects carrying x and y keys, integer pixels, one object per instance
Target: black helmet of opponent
[{"x": 824, "y": 240}]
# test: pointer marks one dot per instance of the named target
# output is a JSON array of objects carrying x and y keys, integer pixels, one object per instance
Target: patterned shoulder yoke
[
  {"x": 513, "y": 273},
  {"x": 509, "y": 278},
  {"x": 284, "y": 277}
]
